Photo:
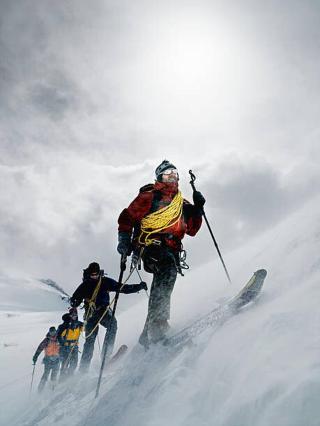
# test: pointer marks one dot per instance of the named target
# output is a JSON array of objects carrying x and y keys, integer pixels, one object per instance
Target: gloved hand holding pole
[{"x": 201, "y": 200}]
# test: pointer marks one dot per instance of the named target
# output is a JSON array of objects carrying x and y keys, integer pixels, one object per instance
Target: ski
[
  {"x": 120, "y": 352},
  {"x": 220, "y": 314}
]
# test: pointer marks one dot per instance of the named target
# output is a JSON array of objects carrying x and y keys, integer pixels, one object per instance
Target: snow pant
[
  {"x": 69, "y": 359},
  {"x": 162, "y": 262},
  {"x": 91, "y": 331},
  {"x": 51, "y": 365}
]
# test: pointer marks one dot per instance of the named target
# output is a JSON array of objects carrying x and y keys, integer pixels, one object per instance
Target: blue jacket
[{"x": 87, "y": 287}]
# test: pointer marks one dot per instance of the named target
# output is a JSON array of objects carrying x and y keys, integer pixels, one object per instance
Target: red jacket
[{"x": 151, "y": 198}]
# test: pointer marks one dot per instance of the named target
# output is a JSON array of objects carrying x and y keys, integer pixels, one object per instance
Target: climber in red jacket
[{"x": 152, "y": 227}]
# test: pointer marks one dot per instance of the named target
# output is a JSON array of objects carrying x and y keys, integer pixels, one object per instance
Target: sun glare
[
  {"x": 191, "y": 61},
  {"x": 194, "y": 55}
]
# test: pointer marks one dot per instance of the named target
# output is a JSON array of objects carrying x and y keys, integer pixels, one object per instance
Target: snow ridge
[{"x": 261, "y": 367}]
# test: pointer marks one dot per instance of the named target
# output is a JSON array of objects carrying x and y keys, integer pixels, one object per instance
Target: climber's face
[{"x": 170, "y": 175}]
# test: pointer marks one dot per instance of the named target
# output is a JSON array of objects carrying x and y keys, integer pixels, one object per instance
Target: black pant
[
  {"x": 69, "y": 360},
  {"x": 51, "y": 364},
  {"x": 110, "y": 323},
  {"x": 162, "y": 262}
]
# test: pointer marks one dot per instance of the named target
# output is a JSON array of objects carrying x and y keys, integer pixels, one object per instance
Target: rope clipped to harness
[
  {"x": 161, "y": 219},
  {"x": 109, "y": 306},
  {"x": 92, "y": 301}
]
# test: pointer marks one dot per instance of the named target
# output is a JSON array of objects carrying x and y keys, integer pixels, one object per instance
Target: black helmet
[
  {"x": 165, "y": 165},
  {"x": 73, "y": 313},
  {"x": 66, "y": 317},
  {"x": 94, "y": 267},
  {"x": 52, "y": 331}
]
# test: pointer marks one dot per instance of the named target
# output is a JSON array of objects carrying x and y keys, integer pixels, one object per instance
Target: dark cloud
[{"x": 55, "y": 98}]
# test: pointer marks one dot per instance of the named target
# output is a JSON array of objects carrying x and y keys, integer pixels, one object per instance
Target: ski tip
[
  {"x": 123, "y": 348},
  {"x": 261, "y": 273}
]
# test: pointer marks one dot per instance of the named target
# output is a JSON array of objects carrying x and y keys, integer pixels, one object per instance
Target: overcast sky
[{"x": 94, "y": 95}]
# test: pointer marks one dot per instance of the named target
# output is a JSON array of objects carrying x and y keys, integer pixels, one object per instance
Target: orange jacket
[{"x": 50, "y": 345}]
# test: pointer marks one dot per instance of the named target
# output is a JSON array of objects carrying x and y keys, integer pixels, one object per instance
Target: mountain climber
[
  {"x": 94, "y": 290},
  {"x": 51, "y": 360},
  {"x": 68, "y": 336},
  {"x": 152, "y": 227}
]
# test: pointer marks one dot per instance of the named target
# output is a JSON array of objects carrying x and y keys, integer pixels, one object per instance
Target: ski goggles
[{"x": 169, "y": 171}]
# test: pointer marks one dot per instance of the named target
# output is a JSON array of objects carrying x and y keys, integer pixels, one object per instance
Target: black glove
[
  {"x": 198, "y": 199},
  {"x": 143, "y": 285},
  {"x": 34, "y": 359},
  {"x": 124, "y": 244}
]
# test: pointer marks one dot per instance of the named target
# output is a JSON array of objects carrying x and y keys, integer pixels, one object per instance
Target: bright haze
[{"x": 94, "y": 95}]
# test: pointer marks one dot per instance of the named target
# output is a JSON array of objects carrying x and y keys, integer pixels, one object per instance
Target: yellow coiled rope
[{"x": 156, "y": 222}]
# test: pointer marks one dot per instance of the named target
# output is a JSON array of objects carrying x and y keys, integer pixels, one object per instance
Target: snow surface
[{"x": 260, "y": 368}]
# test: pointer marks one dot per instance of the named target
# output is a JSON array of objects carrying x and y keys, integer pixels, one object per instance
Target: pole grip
[
  {"x": 123, "y": 262},
  {"x": 193, "y": 178}
]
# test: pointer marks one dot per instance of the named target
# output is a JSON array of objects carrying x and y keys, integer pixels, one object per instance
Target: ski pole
[
  {"x": 99, "y": 345},
  {"x": 34, "y": 366},
  {"x": 104, "y": 348},
  {"x": 135, "y": 265},
  {"x": 193, "y": 178},
  {"x": 141, "y": 280}
]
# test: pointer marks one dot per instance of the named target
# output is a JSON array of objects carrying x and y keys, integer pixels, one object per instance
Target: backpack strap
[
  {"x": 146, "y": 188},
  {"x": 92, "y": 301},
  {"x": 156, "y": 196}
]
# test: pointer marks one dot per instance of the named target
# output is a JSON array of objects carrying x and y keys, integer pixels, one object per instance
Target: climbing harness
[
  {"x": 181, "y": 262},
  {"x": 137, "y": 270},
  {"x": 136, "y": 259},
  {"x": 110, "y": 304},
  {"x": 92, "y": 301}
]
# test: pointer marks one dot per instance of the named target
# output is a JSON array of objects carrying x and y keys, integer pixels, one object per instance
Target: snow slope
[
  {"x": 260, "y": 368},
  {"x": 28, "y": 308}
]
